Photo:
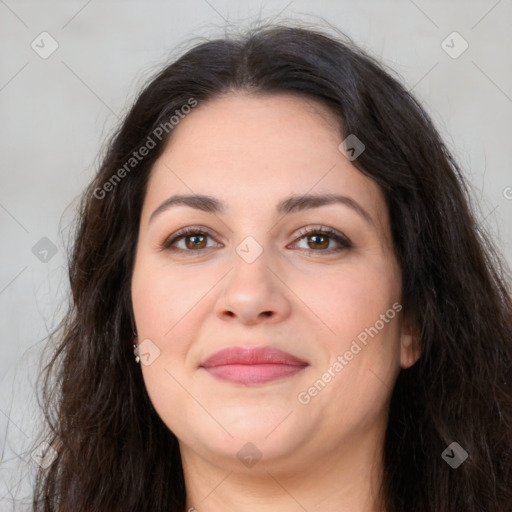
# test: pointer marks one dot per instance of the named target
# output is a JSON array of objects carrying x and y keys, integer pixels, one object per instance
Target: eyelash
[{"x": 344, "y": 242}]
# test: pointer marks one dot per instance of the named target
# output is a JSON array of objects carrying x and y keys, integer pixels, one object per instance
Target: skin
[{"x": 251, "y": 151}]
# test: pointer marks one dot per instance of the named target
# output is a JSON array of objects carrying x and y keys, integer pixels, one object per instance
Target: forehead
[{"x": 252, "y": 151}]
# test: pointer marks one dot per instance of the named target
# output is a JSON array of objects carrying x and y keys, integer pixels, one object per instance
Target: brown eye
[
  {"x": 322, "y": 241},
  {"x": 196, "y": 241},
  {"x": 191, "y": 239},
  {"x": 320, "y": 238}
]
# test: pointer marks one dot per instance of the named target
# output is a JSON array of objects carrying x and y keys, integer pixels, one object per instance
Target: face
[{"x": 257, "y": 269}]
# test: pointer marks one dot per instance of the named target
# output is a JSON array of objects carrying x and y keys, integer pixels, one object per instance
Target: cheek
[
  {"x": 359, "y": 308},
  {"x": 351, "y": 392},
  {"x": 163, "y": 304},
  {"x": 170, "y": 398},
  {"x": 352, "y": 299},
  {"x": 166, "y": 303},
  {"x": 162, "y": 295}
]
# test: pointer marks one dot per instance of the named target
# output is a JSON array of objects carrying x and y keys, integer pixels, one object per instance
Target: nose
[{"x": 253, "y": 293}]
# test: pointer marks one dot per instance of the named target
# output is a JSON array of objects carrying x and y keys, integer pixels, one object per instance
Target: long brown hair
[{"x": 114, "y": 453}]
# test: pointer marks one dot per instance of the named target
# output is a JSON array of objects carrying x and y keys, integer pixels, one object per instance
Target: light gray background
[{"x": 56, "y": 113}]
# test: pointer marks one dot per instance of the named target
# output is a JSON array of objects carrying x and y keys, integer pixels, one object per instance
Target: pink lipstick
[{"x": 255, "y": 365}]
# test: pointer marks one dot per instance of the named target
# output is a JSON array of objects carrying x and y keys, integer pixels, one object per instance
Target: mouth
[{"x": 255, "y": 365}]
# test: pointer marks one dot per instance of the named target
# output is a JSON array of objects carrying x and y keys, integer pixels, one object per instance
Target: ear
[{"x": 410, "y": 349}]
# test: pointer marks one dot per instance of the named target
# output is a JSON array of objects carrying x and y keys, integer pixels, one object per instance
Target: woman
[{"x": 318, "y": 321}]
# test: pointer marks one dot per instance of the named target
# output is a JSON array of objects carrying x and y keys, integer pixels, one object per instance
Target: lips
[
  {"x": 251, "y": 356},
  {"x": 255, "y": 365}
]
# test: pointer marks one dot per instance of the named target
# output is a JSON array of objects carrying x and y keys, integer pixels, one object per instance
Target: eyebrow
[{"x": 292, "y": 204}]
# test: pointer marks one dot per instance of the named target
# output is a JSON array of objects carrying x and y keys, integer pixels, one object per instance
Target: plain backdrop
[{"x": 58, "y": 108}]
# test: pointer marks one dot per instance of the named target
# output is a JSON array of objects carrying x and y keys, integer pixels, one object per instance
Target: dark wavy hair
[{"x": 115, "y": 454}]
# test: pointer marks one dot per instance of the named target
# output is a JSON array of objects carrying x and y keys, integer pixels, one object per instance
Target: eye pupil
[
  {"x": 192, "y": 237},
  {"x": 321, "y": 237}
]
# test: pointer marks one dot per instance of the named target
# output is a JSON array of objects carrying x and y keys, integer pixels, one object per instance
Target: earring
[{"x": 134, "y": 331}]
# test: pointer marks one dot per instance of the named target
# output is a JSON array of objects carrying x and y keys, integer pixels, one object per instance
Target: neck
[{"x": 345, "y": 478}]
